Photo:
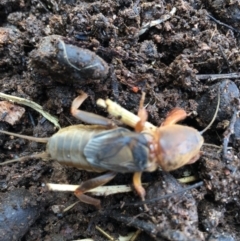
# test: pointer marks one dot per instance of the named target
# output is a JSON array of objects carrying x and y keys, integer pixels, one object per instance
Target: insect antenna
[
  {"x": 215, "y": 114},
  {"x": 30, "y": 138},
  {"x": 42, "y": 155}
]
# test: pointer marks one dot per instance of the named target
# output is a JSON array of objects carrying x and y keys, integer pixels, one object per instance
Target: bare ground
[{"x": 174, "y": 61}]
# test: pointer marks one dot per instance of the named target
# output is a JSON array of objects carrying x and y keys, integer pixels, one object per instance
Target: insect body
[
  {"x": 104, "y": 147},
  {"x": 99, "y": 149}
]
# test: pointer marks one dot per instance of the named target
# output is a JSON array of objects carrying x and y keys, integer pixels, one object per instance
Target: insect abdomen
[{"x": 67, "y": 146}]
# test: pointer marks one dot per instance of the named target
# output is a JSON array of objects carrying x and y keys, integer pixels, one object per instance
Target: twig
[
  {"x": 120, "y": 238},
  {"x": 228, "y": 133},
  {"x": 212, "y": 145},
  {"x": 182, "y": 190},
  {"x": 135, "y": 236},
  {"x": 212, "y": 77},
  {"x": 156, "y": 22},
  {"x": 224, "y": 56},
  {"x": 85, "y": 239},
  {"x": 109, "y": 237},
  {"x": 114, "y": 83},
  {"x": 129, "y": 237},
  {"x": 70, "y": 206},
  {"x": 122, "y": 114},
  {"x": 150, "y": 228},
  {"x": 43, "y": 5},
  {"x": 223, "y": 24}
]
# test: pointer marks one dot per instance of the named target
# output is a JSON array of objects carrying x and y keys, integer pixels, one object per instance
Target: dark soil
[{"x": 179, "y": 62}]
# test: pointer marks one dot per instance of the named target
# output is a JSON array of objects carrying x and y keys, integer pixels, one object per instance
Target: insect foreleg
[
  {"x": 174, "y": 116},
  {"x": 88, "y": 117}
]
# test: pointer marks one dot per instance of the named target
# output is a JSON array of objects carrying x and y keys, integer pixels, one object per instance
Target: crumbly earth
[{"x": 179, "y": 61}]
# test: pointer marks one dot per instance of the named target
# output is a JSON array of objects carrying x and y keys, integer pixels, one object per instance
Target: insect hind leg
[
  {"x": 90, "y": 184},
  {"x": 137, "y": 183}
]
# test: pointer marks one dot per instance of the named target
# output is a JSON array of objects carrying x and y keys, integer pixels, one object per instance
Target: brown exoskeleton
[{"x": 104, "y": 147}]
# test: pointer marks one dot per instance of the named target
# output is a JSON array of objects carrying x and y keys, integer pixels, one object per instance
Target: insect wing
[{"x": 118, "y": 150}]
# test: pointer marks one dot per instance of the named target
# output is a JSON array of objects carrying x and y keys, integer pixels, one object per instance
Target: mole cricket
[{"x": 104, "y": 147}]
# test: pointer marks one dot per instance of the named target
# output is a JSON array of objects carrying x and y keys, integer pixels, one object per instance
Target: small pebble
[
  {"x": 67, "y": 63},
  {"x": 208, "y": 102},
  {"x": 221, "y": 237},
  {"x": 18, "y": 212},
  {"x": 10, "y": 113}
]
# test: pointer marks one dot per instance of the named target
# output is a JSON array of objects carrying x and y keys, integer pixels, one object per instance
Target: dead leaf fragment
[{"x": 10, "y": 113}]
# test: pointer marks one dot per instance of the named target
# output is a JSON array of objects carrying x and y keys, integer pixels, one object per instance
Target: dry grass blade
[
  {"x": 32, "y": 105},
  {"x": 99, "y": 191}
]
